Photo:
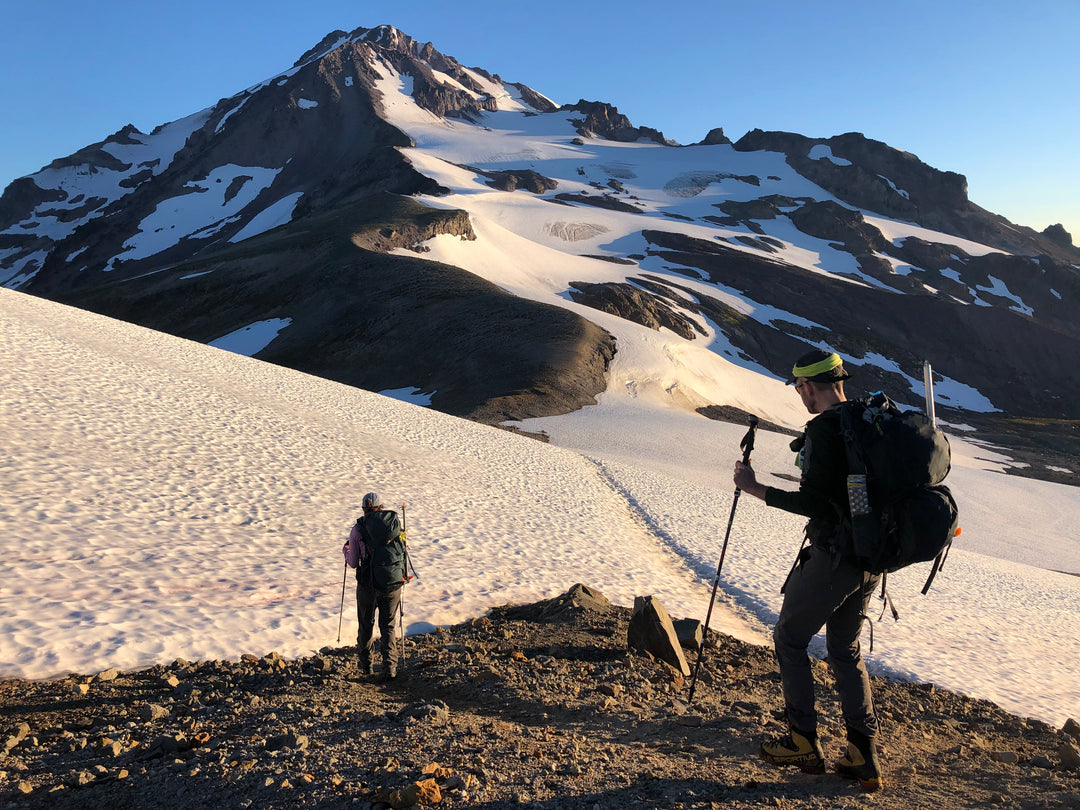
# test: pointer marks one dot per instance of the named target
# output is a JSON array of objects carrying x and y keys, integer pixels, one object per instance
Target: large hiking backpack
[
  {"x": 901, "y": 513},
  {"x": 381, "y": 533}
]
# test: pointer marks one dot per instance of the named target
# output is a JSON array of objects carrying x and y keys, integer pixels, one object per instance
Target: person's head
[
  {"x": 818, "y": 377},
  {"x": 372, "y": 502}
]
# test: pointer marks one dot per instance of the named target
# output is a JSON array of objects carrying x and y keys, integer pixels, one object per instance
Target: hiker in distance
[
  {"x": 825, "y": 586},
  {"x": 376, "y": 549}
]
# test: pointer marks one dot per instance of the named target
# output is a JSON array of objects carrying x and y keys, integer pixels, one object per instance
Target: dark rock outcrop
[
  {"x": 600, "y": 201},
  {"x": 514, "y": 179},
  {"x": 605, "y": 121},
  {"x": 1058, "y": 234},
  {"x": 716, "y": 137},
  {"x": 433, "y": 324},
  {"x": 633, "y": 304}
]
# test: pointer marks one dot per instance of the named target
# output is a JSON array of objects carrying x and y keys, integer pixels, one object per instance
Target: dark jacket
[{"x": 822, "y": 493}]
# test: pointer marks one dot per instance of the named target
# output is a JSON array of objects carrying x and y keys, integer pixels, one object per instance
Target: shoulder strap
[{"x": 856, "y": 465}]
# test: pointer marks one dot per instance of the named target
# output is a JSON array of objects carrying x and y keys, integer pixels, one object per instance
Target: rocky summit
[{"x": 542, "y": 705}]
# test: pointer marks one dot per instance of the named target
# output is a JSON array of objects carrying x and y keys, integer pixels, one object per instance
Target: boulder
[
  {"x": 690, "y": 633},
  {"x": 1069, "y": 752},
  {"x": 652, "y": 631}
]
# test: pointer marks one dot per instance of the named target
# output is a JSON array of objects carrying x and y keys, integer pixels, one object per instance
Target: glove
[{"x": 403, "y": 537}]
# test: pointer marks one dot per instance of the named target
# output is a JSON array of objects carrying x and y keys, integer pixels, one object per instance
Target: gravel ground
[{"x": 533, "y": 705}]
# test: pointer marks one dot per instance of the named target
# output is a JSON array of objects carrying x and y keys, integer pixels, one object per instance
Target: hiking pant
[
  {"x": 388, "y": 604},
  {"x": 825, "y": 591}
]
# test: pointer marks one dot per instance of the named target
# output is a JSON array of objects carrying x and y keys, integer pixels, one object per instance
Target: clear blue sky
[{"x": 986, "y": 88}]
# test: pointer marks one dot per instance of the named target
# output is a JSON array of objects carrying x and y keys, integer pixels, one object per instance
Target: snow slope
[{"x": 161, "y": 498}]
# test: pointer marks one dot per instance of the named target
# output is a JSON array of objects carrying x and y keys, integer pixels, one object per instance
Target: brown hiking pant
[{"x": 825, "y": 592}]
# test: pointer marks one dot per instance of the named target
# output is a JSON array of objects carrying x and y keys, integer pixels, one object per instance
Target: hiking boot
[
  {"x": 389, "y": 671},
  {"x": 795, "y": 748},
  {"x": 366, "y": 667},
  {"x": 860, "y": 761}
]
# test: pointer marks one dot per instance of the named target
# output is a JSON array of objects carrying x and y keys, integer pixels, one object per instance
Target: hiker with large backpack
[
  {"x": 376, "y": 549},
  {"x": 826, "y": 587}
]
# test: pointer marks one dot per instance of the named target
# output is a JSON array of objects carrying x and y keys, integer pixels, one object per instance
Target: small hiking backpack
[
  {"x": 901, "y": 513},
  {"x": 381, "y": 533}
]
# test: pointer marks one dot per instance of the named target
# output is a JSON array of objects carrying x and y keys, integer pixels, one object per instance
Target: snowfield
[{"x": 161, "y": 498}]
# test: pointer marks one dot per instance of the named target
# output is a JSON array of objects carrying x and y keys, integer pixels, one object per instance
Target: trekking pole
[
  {"x": 341, "y": 610},
  {"x": 747, "y": 446},
  {"x": 401, "y": 624},
  {"x": 408, "y": 558}
]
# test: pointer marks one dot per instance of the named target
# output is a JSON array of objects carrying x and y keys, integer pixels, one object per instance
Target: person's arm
[
  {"x": 354, "y": 549},
  {"x": 823, "y": 479}
]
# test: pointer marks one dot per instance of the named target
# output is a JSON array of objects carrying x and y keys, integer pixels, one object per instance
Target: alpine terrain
[{"x": 382, "y": 216}]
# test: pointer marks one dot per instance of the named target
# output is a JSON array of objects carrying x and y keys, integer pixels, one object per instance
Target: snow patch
[
  {"x": 411, "y": 395},
  {"x": 1001, "y": 289},
  {"x": 275, "y": 214},
  {"x": 892, "y": 185},
  {"x": 823, "y": 151},
  {"x": 253, "y": 338}
]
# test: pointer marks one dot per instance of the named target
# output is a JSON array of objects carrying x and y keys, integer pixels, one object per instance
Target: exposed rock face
[
  {"x": 873, "y": 175},
  {"x": 349, "y": 301},
  {"x": 633, "y": 304},
  {"x": 1057, "y": 233},
  {"x": 829, "y": 220},
  {"x": 514, "y": 179},
  {"x": 601, "y": 201},
  {"x": 905, "y": 327},
  {"x": 716, "y": 136},
  {"x": 606, "y": 121},
  {"x": 869, "y": 174}
]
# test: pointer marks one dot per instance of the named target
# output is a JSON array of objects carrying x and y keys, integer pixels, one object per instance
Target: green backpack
[{"x": 381, "y": 533}]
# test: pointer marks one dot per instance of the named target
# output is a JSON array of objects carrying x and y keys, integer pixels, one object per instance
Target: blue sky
[{"x": 987, "y": 89}]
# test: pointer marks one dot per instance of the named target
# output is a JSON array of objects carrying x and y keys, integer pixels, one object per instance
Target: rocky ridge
[{"x": 537, "y": 705}]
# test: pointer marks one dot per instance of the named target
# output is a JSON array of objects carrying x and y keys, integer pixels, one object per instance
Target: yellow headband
[{"x": 820, "y": 367}]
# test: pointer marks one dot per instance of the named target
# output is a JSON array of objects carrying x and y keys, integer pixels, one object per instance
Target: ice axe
[{"x": 747, "y": 446}]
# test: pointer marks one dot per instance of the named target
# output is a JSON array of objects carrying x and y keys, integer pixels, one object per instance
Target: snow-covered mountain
[{"x": 385, "y": 217}]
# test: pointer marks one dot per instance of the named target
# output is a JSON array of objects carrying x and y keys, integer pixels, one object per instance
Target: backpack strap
[
  {"x": 865, "y": 530},
  {"x": 939, "y": 563},
  {"x": 887, "y": 602}
]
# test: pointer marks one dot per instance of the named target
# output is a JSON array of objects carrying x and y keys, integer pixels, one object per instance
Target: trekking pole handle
[{"x": 747, "y": 443}]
